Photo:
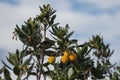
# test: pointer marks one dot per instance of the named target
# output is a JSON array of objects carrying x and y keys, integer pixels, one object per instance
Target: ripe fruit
[
  {"x": 66, "y": 53},
  {"x": 72, "y": 57},
  {"x": 64, "y": 59},
  {"x": 51, "y": 59}
]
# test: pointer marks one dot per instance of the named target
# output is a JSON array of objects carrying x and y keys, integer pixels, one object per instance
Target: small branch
[
  {"x": 42, "y": 60},
  {"x": 41, "y": 67},
  {"x": 38, "y": 73}
]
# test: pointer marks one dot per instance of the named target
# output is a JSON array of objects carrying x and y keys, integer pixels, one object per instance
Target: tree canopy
[{"x": 57, "y": 56}]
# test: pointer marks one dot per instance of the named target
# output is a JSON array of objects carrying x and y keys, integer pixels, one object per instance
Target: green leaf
[
  {"x": 2, "y": 69},
  {"x": 78, "y": 48},
  {"x": 7, "y": 75},
  {"x": 97, "y": 72},
  {"x": 46, "y": 64},
  {"x": 33, "y": 73},
  {"x": 118, "y": 68},
  {"x": 26, "y": 62},
  {"x": 55, "y": 24},
  {"x": 1, "y": 78},
  {"x": 16, "y": 60},
  {"x": 116, "y": 76},
  {"x": 69, "y": 35},
  {"x": 17, "y": 55},
  {"x": 49, "y": 53},
  {"x": 52, "y": 19},
  {"x": 6, "y": 65},
  {"x": 66, "y": 27},
  {"x": 11, "y": 61},
  {"x": 54, "y": 31},
  {"x": 47, "y": 44},
  {"x": 74, "y": 41},
  {"x": 16, "y": 71},
  {"x": 84, "y": 49},
  {"x": 70, "y": 72}
]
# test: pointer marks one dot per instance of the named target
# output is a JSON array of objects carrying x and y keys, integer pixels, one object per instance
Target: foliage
[{"x": 69, "y": 59}]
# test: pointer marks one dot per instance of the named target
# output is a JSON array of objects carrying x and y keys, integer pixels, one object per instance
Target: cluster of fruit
[{"x": 66, "y": 57}]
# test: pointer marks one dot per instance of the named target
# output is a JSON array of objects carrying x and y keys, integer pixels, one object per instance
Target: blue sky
[{"x": 85, "y": 17}]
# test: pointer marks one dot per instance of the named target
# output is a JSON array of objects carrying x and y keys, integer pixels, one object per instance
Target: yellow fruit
[
  {"x": 72, "y": 57},
  {"x": 64, "y": 59},
  {"x": 66, "y": 53},
  {"x": 51, "y": 59}
]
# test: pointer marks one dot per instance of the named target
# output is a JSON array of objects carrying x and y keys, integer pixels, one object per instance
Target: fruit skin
[
  {"x": 64, "y": 59},
  {"x": 73, "y": 57},
  {"x": 51, "y": 59},
  {"x": 66, "y": 53}
]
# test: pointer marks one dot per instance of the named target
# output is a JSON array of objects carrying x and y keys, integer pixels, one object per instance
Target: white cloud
[{"x": 103, "y": 3}]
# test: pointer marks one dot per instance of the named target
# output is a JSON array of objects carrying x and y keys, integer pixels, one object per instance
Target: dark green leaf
[
  {"x": 97, "y": 73},
  {"x": 7, "y": 75},
  {"x": 11, "y": 61},
  {"x": 118, "y": 68},
  {"x": 69, "y": 35},
  {"x": 6, "y": 65},
  {"x": 16, "y": 70},
  {"x": 74, "y": 41},
  {"x": 2, "y": 69},
  {"x": 84, "y": 49},
  {"x": 33, "y": 73},
  {"x": 52, "y": 19},
  {"x": 47, "y": 44},
  {"x": 49, "y": 53}
]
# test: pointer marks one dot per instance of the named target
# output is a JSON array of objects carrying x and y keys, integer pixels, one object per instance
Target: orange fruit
[
  {"x": 64, "y": 59},
  {"x": 72, "y": 57},
  {"x": 66, "y": 53},
  {"x": 51, "y": 59}
]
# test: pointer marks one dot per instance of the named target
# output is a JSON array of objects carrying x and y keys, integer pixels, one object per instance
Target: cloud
[
  {"x": 103, "y": 4},
  {"x": 11, "y": 2},
  {"x": 96, "y": 7}
]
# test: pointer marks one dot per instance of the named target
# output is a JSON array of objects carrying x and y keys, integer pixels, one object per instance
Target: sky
[{"x": 85, "y": 17}]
